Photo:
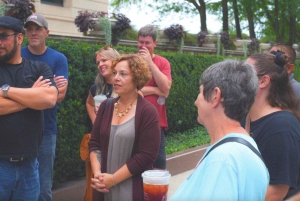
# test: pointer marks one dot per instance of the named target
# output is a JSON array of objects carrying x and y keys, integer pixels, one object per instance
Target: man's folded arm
[{"x": 39, "y": 98}]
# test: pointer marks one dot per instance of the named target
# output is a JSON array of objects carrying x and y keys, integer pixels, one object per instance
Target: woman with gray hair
[{"x": 231, "y": 168}]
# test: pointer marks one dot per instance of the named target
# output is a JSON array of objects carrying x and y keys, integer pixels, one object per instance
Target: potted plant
[
  {"x": 113, "y": 27},
  {"x": 225, "y": 40},
  {"x": 121, "y": 27},
  {"x": 85, "y": 20},
  {"x": 176, "y": 33},
  {"x": 253, "y": 46},
  {"x": 265, "y": 47},
  {"x": 20, "y": 9},
  {"x": 201, "y": 38},
  {"x": 211, "y": 40}
]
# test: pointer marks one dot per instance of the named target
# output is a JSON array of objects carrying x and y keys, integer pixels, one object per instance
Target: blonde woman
[
  {"x": 104, "y": 79},
  {"x": 102, "y": 85}
]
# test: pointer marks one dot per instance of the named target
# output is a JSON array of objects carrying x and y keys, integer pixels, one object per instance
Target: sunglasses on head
[{"x": 4, "y": 36}]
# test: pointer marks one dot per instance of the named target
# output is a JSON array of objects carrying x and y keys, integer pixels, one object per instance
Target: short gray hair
[
  {"x": 148, "y": 30},
  {"x": 238, "y": 83}
]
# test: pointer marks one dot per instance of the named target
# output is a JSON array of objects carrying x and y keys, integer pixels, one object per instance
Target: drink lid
[
  {"x": 156, "y": 176},
  {"x": 100, "y": 97}
]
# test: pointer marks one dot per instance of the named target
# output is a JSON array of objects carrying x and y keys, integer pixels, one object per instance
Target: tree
[
  {"x": 250, "y": 16},
  {"x": 282, "y": 19},
  {"x": 165, "y": 7},
  {"x": 225, "y": 15},
  {"x": 236, "y": 19},
  {"x": 270, "y": 19}
]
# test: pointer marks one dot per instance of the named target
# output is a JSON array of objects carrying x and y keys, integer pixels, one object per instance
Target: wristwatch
[{"x": 5, "y": 88}]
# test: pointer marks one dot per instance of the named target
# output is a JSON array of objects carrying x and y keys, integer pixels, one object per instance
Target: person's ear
[
  {"x": 20, "y": 38},
  {"x": 216, "y": 97},
  {"x": 264, "y": 81},
  {"x": 289, "y": 68}
]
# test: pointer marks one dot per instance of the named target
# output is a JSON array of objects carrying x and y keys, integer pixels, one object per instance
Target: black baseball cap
[{"x": 11, "y": 23}]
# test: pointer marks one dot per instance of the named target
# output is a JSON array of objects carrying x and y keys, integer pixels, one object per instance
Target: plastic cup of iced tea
[
  {"x": 98, "y": 100},
  {"x": 156, "y": 185}
]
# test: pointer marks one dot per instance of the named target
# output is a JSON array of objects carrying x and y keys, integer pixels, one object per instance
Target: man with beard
[{"x": 27, "y": 89}]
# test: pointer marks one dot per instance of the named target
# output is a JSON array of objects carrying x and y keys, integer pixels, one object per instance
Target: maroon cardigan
[{"x": 145, "y": 147}]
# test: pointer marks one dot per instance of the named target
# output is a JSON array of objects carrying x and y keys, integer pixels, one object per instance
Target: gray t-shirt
[{"x": 295, "y": 85}]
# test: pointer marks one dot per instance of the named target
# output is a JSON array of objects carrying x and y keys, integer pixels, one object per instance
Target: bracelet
[
  {"x": 21, "y": 106},
  {"x": 113, "y": 180}
]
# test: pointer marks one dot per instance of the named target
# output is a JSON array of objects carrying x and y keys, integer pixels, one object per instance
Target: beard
[{"x": 9, "y": 55}]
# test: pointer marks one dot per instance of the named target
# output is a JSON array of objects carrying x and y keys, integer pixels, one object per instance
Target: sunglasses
[{"x": 4, "y": 36}]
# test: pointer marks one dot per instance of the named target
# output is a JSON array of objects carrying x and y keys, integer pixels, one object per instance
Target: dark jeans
[
  {"x": 161, "y": 162},
  {"x": 46, "y": 158}
]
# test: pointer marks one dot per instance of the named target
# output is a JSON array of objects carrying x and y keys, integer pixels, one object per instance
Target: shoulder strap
[{"x": 239, "y": 140}]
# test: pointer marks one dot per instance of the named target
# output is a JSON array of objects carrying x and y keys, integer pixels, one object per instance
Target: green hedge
[
  {"x": 73, "y": 121},
  {"x": 186, "y": 71}
]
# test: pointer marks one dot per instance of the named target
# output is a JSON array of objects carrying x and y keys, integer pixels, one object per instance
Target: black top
[
  {"x": 278, "y": 139},
  {"x": 107, "y": 90},
  {"x": 21, "y": 132}
]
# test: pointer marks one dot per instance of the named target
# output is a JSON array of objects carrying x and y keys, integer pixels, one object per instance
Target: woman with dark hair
[
  {"x": 126, "y": 135},
  {"x": 290, "y": 65},
  {"x": 273, "y": 122}
]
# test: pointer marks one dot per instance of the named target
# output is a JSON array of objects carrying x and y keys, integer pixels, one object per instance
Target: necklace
[
  {"x": 120, "y": 114},
  {"x": 108, "y": 90}
]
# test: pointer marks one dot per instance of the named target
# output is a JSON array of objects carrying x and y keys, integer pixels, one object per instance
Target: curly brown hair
[{"x": 138, "y": 67}]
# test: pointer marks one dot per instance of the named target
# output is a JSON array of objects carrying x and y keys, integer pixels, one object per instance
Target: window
[{"x": 54, "y": 2}]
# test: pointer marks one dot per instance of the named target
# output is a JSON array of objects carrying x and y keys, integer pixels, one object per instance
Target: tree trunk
[
  {"x": 202, "y": 11},
  {"x": 292, "y": 26},
  {"x": 250, "y": 22},
  {"x": 276, "y": 22},
  {"x": 237, "y": 20},
  {"x": 225, "y": 15}
]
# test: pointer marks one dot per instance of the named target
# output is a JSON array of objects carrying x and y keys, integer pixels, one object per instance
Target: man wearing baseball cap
[
  {"x": 27, "y": 88},
  {"x": 36, "y": 29}
]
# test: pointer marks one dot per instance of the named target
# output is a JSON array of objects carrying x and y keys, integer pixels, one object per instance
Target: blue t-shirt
[
  {"x": 59, "y": 65},
  {"x": 232, "y": 171}
]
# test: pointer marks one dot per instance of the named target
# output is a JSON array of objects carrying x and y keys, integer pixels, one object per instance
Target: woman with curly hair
[{"x": 126, "y": 135}]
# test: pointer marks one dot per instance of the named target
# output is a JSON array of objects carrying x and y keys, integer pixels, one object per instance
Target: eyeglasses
[{"x": 5, "y": 36}]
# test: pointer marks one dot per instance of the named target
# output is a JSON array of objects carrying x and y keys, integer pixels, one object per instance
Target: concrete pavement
[{"x": 180, "y": 166}]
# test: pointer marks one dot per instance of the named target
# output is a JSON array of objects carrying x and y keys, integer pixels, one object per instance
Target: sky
[{"x": 140, "y": 18}]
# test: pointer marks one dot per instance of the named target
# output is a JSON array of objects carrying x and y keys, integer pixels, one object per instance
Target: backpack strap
[
  {"x": 232, "y": 139},
  {"x": 239, "y": 140}
]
